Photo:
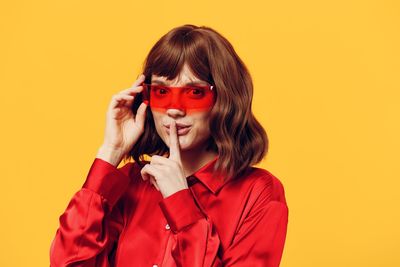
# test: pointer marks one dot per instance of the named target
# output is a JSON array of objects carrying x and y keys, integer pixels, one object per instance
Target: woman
[{"x": 198, "y": 201}]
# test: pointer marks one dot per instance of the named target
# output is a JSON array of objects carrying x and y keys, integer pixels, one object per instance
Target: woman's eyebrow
[{"x": 188, "y": 83}]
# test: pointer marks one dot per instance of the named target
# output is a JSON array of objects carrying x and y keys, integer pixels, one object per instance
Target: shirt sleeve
[
  {"x": 258, "y": 242},
  {"x": 91, "y": 224}
]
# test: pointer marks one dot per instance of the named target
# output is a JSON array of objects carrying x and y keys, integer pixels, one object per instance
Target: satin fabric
[{"x": 117, "y": 219}]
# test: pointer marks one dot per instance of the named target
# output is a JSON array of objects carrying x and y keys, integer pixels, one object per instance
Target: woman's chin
[
  {"x": 187, "y": 144},
  {"x": 184, "y": 143}
]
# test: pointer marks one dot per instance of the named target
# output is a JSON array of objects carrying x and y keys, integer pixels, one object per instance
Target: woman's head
[{"x": 228, "y": 127}]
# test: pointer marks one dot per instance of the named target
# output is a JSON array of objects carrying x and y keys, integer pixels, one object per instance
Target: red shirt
[{"x": 117, "y": 219}]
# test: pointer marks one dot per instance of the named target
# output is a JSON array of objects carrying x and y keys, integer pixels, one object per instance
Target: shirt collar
[{"x": 208, "y": 178}]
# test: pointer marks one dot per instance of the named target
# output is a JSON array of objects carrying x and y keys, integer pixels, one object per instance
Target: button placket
[{"x": 167, "y": 251}]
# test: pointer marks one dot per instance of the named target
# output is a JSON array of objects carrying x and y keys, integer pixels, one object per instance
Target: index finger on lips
[{"x": 174, "y": 149}]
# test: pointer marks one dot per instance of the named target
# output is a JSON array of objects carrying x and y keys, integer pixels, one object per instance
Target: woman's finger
[
  {"x": 159, "y": 160},
  {"x": 139, "y": 80},
  {"x": 140, "y": 117},
  {"x": 149, "y": 170},
  {"x": 135, "y": 88},
  {"x": 154, "y": 183},
  {"x": 150, "y": 173},
  {"x": 118, "y": 100},
  {"x": 132, "y": 90}
]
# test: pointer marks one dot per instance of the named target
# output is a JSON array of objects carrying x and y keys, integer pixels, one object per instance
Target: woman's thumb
[{"x": 141, "y": 114}]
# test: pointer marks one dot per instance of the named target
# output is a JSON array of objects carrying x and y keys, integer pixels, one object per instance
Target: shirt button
[
  {"x": 167, "y": 226},
  {"x": 155, "y": 265}
]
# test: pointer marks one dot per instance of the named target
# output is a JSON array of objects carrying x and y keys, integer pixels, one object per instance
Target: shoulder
[
  {"x": 266, "y": 184},
  {"x": 127, "y": 168},
  {"x": 263, "y": 193}
]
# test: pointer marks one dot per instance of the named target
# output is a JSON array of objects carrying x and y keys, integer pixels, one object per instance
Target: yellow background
[{"x": 326, "y": 77}]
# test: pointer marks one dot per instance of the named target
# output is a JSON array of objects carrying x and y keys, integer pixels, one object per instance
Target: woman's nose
[
  {"x": 176, "y": 101},
  {"x": 175, "y": 112}
]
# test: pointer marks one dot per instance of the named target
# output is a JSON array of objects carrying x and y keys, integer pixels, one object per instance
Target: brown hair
[{"x": 236, "y": 135}]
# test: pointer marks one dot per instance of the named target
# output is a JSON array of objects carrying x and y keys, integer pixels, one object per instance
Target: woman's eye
[
  {"x": 160, "y": 91},
  {"x": 197, "y": 92}
]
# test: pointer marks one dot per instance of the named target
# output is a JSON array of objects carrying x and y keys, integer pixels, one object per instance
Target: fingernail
[{"x": 146, "y": 102}]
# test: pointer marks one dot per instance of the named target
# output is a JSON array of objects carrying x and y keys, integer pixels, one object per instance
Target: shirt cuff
[
  {"x": 107, "y": 180},
  {"x": 180, "y": 210}
]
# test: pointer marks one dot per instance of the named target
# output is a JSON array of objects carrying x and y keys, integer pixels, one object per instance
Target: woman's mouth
[{"x": 180, "y": 130}]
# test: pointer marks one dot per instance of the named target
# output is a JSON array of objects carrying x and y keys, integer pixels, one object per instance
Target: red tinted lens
[{"x": 187, "y": 97}]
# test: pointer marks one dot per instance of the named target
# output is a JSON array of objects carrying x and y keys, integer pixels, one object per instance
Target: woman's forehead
[{"x": 182, "y": 80}]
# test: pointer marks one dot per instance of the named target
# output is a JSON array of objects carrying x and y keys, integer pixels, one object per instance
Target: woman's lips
[{"x": 180, "y": 130}]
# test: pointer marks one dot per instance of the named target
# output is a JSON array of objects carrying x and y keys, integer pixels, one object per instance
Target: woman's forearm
[{"x": 112, "y": 156}]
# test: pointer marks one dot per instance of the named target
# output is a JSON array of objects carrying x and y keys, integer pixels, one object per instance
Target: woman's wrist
[{"x": 110, "y": 155}]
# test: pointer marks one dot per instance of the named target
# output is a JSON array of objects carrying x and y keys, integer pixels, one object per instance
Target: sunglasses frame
[{"x": 210, "y": 87}]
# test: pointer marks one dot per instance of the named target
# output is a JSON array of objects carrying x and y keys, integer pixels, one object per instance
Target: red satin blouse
[{"x": 117, "y": 219}]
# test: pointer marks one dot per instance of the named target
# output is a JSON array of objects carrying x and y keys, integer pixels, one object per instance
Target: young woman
[{"x": 198, "y": 201}]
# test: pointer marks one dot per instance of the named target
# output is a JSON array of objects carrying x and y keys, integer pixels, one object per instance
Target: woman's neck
[{"x": 192, "y": 160}]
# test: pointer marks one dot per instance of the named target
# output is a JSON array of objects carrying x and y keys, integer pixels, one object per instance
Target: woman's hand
[
  {"x": 123, "y": 128},
  {"x": 166, "y": 174}
]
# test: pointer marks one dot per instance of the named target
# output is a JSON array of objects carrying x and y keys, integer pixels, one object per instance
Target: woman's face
[{"x": 193, "y": 126}]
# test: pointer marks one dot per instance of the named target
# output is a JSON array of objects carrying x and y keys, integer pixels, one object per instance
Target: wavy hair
[{"x": 236, "y": 135}]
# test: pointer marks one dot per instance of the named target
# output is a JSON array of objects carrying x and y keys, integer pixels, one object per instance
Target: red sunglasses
[{"x": 190, "y": 97}]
